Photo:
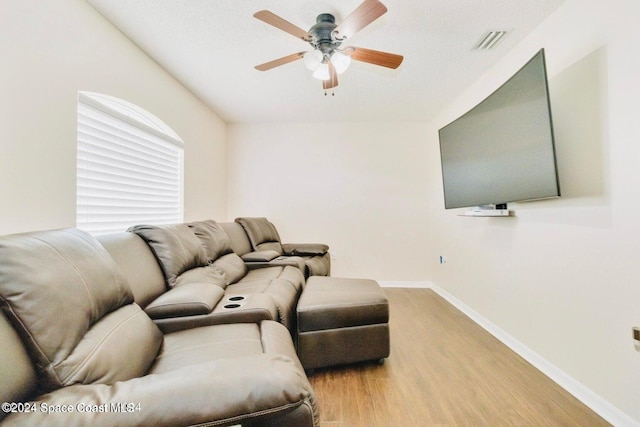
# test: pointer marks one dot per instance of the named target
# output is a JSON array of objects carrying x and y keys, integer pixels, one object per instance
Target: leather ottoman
[{"x": 342, "y": 321}]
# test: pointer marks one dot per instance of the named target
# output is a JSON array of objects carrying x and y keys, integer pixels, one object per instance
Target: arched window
[{"x": 129, "y": 167}]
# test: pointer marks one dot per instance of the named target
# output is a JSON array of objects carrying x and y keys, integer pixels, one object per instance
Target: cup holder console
[{"x": 234, "y": 301}]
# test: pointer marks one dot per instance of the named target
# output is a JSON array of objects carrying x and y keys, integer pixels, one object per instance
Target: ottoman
[{"x": 342, "y": 321}]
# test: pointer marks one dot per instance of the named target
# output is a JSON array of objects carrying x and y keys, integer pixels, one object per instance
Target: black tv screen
[{"x": 503, "y": 149}]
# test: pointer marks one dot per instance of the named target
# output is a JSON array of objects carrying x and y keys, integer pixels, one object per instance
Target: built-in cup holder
[
  {"x": 234, "y": 301},
  {"x": 232, "y": 305}
]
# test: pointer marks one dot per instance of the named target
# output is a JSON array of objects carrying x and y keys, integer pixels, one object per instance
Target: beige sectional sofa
[{"x": 163, "y": 325}]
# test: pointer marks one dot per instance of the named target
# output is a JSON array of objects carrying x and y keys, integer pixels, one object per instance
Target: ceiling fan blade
[
  {"x": 376, "y": 57},
  {"x": 333, "y": 78},
  {"x": 365, "y": 14},
  {"x": 282, "y": 24},
  {"x": 280, "y": 61}
]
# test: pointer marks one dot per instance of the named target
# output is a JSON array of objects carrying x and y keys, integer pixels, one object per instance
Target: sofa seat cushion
[
  {"x": 284, "y": 294},
  {"x": 193, "y": 346},
  {"x": 291, "y": 274},
  {"x": 222, "y": 375},
  {"x": 62, "y": 293},
  {"x": 262, "y": 390},
  {"x": 250, "y": 287},
  {"x": 270, "y": 246},
  {"x": 175, "y": 246}
]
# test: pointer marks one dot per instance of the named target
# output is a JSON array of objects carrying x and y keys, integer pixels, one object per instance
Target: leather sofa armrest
[
  {"x": 305, "y": 249},
  {"x": 225, "y": 391},
  {"x": 231, "y": 309},
  {"x": 260, "y": 256},
  {"x": 190, "y": 299}
]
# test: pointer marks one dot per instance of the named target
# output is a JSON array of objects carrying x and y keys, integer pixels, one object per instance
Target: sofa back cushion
[
  {"x": 238, "y": 237},
  {"x": 213, "y": 238},
  {"x": 262, "y": 234},
  {"x": 62, "y": 293},
  {"x": 175, "y": 246},
  {"x": 136, "y": 262}
]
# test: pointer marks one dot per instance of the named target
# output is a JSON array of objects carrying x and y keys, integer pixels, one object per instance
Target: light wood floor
[{"x": 444, "y": 370}]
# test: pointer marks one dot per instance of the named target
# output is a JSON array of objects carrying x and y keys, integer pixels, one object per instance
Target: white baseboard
[
  {"x": 404, "y": 284},
  {"x": 599, "y": 405},
  {"x": 579, "y": 391}
]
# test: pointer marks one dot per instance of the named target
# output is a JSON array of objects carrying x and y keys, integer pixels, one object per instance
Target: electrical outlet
[{"x": 333, "y": 254}]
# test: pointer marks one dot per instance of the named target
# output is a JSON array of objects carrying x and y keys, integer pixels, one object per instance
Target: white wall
[
  {"x": 50, "y": 51},
  {"x": 361, "y": 188},
  {"x": 562, "y": 276}
]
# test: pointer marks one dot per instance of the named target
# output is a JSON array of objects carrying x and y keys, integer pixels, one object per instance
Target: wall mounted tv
[{"x": 503, "y": 149}]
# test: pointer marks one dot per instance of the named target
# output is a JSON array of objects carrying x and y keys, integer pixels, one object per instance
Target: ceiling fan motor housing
[{"x": 322, "y": 34}]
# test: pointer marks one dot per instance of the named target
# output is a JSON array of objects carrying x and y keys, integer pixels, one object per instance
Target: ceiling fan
[{"x": 328, "y": 59}]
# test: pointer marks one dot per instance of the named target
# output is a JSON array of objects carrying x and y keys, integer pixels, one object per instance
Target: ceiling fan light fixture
[
  {"x": 328, "y": 58},
  {"x": 322, "y": 72},
  {"x": 313, "y": 59},
  {"x": 340, "y": 61}
]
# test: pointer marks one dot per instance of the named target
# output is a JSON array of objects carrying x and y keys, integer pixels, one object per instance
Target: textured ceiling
[{"x": 212, "y": 46}]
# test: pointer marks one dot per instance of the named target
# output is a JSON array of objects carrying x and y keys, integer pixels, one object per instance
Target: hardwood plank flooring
[{"x": 444, "y": 370}]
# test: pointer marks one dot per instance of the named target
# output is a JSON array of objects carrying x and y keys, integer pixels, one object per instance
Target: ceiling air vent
[{"x": 490, "y": 39}]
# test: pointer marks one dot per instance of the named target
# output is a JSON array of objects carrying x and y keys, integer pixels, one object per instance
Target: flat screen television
[{"x": 503, "y": 149}]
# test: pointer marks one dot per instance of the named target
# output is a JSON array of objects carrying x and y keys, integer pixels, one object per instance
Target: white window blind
[{"x": 128, "y": 172}]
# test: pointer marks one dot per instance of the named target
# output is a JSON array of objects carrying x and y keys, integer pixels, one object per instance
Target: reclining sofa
[
  {"x": 313, "y": 258},
  {"x": 160, "y": 325}
]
